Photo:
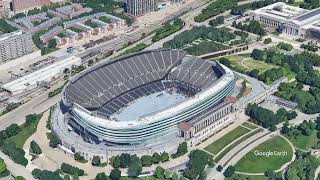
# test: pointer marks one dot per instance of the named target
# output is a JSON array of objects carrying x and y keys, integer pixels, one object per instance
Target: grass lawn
[
  {"x": 252, "y": 163},
  {"x": 304, "y": 142},
  {"x": 249, "y": 125},
  {"x": 243, "y": 63},
  {"x": 233, "y": 145},
  {"x": 219, "y": 144},
  {"x": 22, "y": 136}
]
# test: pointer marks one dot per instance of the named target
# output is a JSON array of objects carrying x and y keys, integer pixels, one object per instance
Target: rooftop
[{"x": 184, "y": 126}]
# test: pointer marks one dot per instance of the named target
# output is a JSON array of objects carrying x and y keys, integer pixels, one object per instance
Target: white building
[
  {"x": 293, "y": 21},
  {"x": 15, "y": 45},
  {"x": 45, "y": 74}
]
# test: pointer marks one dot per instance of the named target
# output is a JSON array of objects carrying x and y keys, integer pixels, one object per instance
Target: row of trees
[
  {"x": 215, "y": 8},
  {"x": 137, "y": 48},
  {"x": 46, "y": 175},
  {"x": 72, "y": 170},
  {"x": 268, "y": 119},
  {"x": 168, "y": 29},
  {"x": 189, "y": 36},
  {"x": 253, "y": 27},
  {"x": 306, "y": 128},
  {"x": 285, "y": 46},
  {"x": 268, "y": 76},
  {"x": 124, "y": 160},
  {"x": 310, "y": 46},
  {"x": 159, "y": 173},
  {"x": 135, "y": 164},
  {"x": 239, "y": 10},
  {"x": 217, "y": 21}
]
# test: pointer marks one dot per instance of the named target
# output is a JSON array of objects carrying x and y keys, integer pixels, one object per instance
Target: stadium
[{"x": 139, "y": 97}]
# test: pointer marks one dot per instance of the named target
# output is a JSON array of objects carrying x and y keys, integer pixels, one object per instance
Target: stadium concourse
[{"x": 144, "y": 103}]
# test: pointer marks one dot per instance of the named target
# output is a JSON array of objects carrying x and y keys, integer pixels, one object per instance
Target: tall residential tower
[{"x": 141, "y": 7}]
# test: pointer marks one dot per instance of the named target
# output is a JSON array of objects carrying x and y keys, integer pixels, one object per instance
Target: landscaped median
[
  {"x": 234, "y": 144},
  {"x": 218, "y": 145},
  {"x": 270, "y": 155}
]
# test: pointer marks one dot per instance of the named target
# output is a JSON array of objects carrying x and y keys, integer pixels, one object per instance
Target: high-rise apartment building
[
  {"x": 141, "y": 7},
  {"x": 14, "y": 45}
]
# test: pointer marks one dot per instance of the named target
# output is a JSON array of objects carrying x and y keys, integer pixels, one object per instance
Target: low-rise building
[
  {"x": 206, "y": 125},
  {"x": 292, "y": 21},
  {"x": 19, "y": 6},
  {"x": 45, "y": 74}
]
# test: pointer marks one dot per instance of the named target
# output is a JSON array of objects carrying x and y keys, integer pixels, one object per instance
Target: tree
[
  {"x": 273, "y": 128},
  {"x": 36, "y": 173},
  {"x": 285, "y": 46},
  {"x": 115, "y": 174},
  {"x": 220, "y": 19},
  {"x": 101, "y": 176},
  {"x": 164, "y": 157},
  {"x": 159, "y": 172},
  {"x": 156, "y": 158},
  {"x": 270, "y": 174},
  {"x": 31, "y": 119},
  {"x": 20, "y": 178},
  {"x": 285, "y": 130},
  {"x": 307, "y": 132},
  {"x": 16, "y": 154},
  {"x": 318, "y": 135},
  {"x": 197, "y": 163},
  {"x": 254, "y": 73},
  {"x": 52, "y": 43},
  {"x": 219, "y": 168},
  {"x": 96, "y": 161},
  {"x": 72, "y": 170},
  {"x": 135, "y": 169},
  {"x": 66, "y": 71},
  {"x": 46, "y": 175},
  {"x": 12, "y": 130},
  {"x": 115, "y": 161},
  {"x": 53, "y": 140},
  {"x": 225, "y": 61},
  {"x": 182, "y": 149},
  {"x": 90, "y": 62},
  {"x": 35, "y": 148},
  {"x": 267, "y": 41},
  {"x": 175, "y": 176},
  {"x": 77, "y": 156},
  {"x": 3, "y": 166},
  {"x": 124, "y": 160},
  {"x": 146, "y": 160},
  {"x": 229, "y": 171}
]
